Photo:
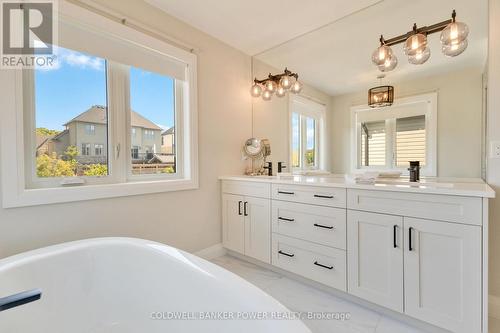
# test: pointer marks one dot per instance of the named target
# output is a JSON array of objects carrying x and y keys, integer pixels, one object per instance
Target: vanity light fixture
[
  {"x": 381, "y": 96},
  {"x": 453, "y": 40},
  {"x": 277, "y": 84}
]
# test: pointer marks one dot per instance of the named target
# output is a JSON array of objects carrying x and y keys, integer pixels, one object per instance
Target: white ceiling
[
  {"x": 335, "y": 58},
  {"x": 253, "y": 26}
]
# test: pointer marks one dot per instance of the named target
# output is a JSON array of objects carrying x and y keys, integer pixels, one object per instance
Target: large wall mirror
[{"x": 437, "y": 116}]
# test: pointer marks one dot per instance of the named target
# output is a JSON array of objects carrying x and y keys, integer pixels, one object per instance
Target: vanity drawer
[
  {"x": 252, "y": 189},
  {"x": 323, "y": 225},
  {"x": 467, "y": 210},
  {"x": 315, "y": 195},
  {"x": 316, "y": 262}
]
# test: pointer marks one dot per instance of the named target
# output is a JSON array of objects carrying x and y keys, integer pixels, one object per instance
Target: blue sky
[{"x": 79, "y": 81}]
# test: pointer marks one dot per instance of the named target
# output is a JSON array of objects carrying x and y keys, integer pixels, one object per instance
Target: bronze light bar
[
  {"x": 277, "y": 77},
  {"x": 416, "y": 48},
  {"x": 427, "y": 30},
  {"x": 277, "y": 84}
]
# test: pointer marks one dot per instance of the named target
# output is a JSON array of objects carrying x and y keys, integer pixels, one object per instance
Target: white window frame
[
  {"x": 86, "y": 149},
  {"x": 307, "y": 107},
  {"x": 429, "y": 108},
  {"x": 15, "y": 159}
]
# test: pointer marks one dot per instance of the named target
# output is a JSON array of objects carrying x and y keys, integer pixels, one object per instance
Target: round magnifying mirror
[{"x": 253, "y": 147}]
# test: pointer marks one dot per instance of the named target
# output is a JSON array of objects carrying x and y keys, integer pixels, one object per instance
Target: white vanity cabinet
[
  {"x": 442, "y": 269},
  {"x": 246, "y": 219},
  {"x": 375, "y": 255},
  {"x": 421, "y": 253}
]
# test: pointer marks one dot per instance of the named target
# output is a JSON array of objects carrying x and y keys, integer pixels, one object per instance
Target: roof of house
[
  {"x": 41, "y": 140},
  {"x": 97, "y": 115},
  {"x": 171, "y": 130}
]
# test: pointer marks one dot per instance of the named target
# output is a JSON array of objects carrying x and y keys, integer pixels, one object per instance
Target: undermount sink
[{"x": 423, "y": 184}]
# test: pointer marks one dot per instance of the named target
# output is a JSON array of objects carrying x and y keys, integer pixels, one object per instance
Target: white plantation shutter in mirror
[
  {"x": 373, "y": 141},
  {"x": 410, "y": 140}
]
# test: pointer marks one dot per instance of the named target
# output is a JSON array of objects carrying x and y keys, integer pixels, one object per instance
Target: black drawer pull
[
  {"x": 284, "y": 192},
  {"x": 19, "y": 299},
  {"x": 239, "y": 207},
  {"x": 286, "y": 254},
  {"x": 323, "y": 226},
  {"x": 285, "y": 219},
  {"x": 323, "y": 196},
  {"x": 324, "y": 266},
  {"x": 245, "y": 212}
]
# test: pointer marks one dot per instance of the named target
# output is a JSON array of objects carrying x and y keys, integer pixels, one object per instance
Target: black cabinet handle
[
  {"x": 285, "y": 219},
  {"x": 19, "y": 299},
  {"x": 323, "y": 226},
  {"x": 323, "y": 196},
  {"x": 286, "y": 254},
  {"x": 245, "y": 208},
  {"x": 285, "y": 192},
  {"x": 410, "y": 248},
  {"x": 324, "y": 266},
  {"x": 239, "y": 207},
  {"x": 395, "y": 232}
]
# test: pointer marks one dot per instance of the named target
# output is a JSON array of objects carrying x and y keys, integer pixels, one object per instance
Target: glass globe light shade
[
  {"x": 296, "y": 87},
  {"x": 266, "y": 95},
  {"x": 381, "y": 54},
  {"x": 414, "y": 44},
  {"x": 256, "y": 90},
  {"x": 454, "y": 33},
  {"x": 286, "y": 82},
  {"x": 452, "y": 50},
  {"x": 389, "y": 64},
  {"x": 280, "y": 91},
  {"x": 270, "y": 86},
  {"x": 420, "y": 57}
]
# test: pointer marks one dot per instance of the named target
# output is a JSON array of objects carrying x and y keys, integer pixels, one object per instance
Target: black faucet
[
  {"x": 414, "y": 171},
  {"x": 281, "y": 167},
  {"x": 269, "y": 168}
]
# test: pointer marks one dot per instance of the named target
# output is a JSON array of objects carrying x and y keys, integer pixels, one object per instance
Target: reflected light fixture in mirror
[
  {"x": 278, "y": 83},
  {"x": 453, "y": 40},
  {"x": 381, "y": 96}
]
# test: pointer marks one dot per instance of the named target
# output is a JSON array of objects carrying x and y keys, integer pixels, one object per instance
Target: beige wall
[
  {"x": 168, "y": 217},
  {"x": 459, "y": 121},
  {"x": 270, "y": 118},
  {"x": 493, "y": 173}
]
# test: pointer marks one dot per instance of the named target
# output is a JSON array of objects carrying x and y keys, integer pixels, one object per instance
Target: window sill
[{"x": 44, "y": 196}]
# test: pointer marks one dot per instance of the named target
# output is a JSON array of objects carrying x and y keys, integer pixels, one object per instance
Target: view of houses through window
[{"x": 72, "y": 119}]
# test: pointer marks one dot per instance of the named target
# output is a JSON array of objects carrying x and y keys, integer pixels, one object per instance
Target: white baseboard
[
  {"x": 211, "y": 252},
  {"x": 494, "y": 306}
]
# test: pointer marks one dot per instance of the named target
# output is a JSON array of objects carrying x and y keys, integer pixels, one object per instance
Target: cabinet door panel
[
  {"x": 233, "y": 222},
  {"x": 258, "y": 229},
  {"x": 443, "y": 274},
  {"x": 375, "y": 260}
]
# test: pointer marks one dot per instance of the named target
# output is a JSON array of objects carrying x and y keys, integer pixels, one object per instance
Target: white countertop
[{"x": 448, "y": 186}]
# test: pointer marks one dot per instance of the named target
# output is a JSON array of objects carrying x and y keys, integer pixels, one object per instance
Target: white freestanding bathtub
[{"x": 133, "y": 286}]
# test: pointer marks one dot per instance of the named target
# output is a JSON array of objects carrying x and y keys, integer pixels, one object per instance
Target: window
[
  {"x": 149, "y": 134},
  {"x": 306, "y": 126},
  {"x": 135, "y": 152},
  {"x": 388, "y": 138},
  {"x": 373, "y": 140},
  {"x": 98, "y": 149},
  {"x": 132, "y": 83},
  {"x": 152, "y": 97},
  {"x": 85, "y": 149},
  {"x": 90, "y": 129}
]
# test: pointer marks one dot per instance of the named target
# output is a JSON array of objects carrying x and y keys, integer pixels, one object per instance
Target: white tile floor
[{"x": 298, "y": 296}]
